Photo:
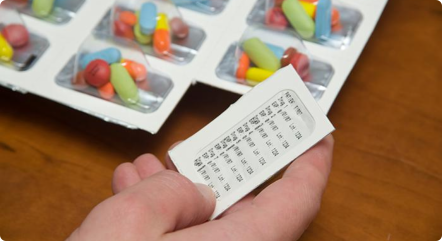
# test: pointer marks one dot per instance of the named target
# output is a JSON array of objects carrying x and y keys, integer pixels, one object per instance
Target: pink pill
[
  {"x": 179, "y": 28},
  {"x": 16, "y": 34},
  {"x": 275, "y": 18},
  {"x": 302, "y": 64}
]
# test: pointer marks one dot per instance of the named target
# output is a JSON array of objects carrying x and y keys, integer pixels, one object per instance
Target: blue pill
[
  {"x": 278, "y": 51},
  {"x": 323, "y": 19},
  {"x": 183, "y": 2},
  {"x": 110, "y": 55},
  {"x": 148, "y": 18}
]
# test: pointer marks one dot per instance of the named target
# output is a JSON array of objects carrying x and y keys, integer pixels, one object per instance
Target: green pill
[
  {"x": 261, "y": 55},
  {"x": 140, "y": 37},
  {"x": 298, "y": 18},
  {"x": 123, "y": 84},
  {"x": 42, "y": 8}
]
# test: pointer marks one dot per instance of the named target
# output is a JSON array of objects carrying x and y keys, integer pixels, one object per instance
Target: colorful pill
[
  {"x": 161, "y": 41},
  {"x": 278, "y": 3},
  {"x": 310, "y": 1},
  {"x": 278, "y": 51},
  {"x": 275, "y": 18},
  {"x": 335, "y": 17},
  {"x": 261, "y": 55},
  {"x": 162, "y": 22},
  {"x": 179, "y": 28},
  {"x": 288, "y": 56},
  {"x": 323, "y": 19},
  {"x": 301, "y": 64},
  {"x": 298, "y": 18},
  {"x": 107, "y": 91},
  {"x": 123, "y": 30},
  {"x": 42, "y": 8},
  {"x": 123, "y": 84},
  {"x": 16, "y": 34},
  {"x": 97, "y": 73},
  {"x": 6, "y": 51},
  {"x": 128, "y": 18},
  {"x": 148, "y": 18},
  {"x": 309, "y": 8},
  {"x": 78, "y": 82},
  {"x": 140, "y": 37},
  {"x": 110, "y": 55},
  {"x": 243, "y": 66},
  {"x": 137, "y": 71},
  {"x": 256, "y": 75}
]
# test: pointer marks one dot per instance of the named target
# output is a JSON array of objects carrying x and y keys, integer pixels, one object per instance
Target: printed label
[{"x": 256, "y": 142}]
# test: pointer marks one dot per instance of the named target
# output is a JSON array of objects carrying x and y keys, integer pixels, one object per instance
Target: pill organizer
[{"x": 214, "y": 35}]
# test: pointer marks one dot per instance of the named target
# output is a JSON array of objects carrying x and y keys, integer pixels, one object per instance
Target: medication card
[{"x": 253, "y": 139}]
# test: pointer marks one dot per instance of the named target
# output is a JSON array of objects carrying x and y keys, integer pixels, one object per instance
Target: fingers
[
  {"x": 282, "y": 211},
  {"x": 147, "y": 165},
  {"x": 125, "y": 175},
  {"x": 129, "y": 174},
  {"x": 240, "y": 205}
]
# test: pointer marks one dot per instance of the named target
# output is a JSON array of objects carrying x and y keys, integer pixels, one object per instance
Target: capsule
[
  {"x": 256, "y": 75},
  {"x": 137, "y": 71},
  {"x": 298, "y": 18},
  {"x": 243, "y": 66},
  {"x": 148, "y": 18},
  {"x": 161, "y": 37},
  {"x": 278, "y": 51},
  {"x": 141, "y": 37},
  {"x": 110, "y": 55},
  {"x": 123, "y": 30},
  {"x": 128, "y": 18},
  {"x": 42, "y": 8},
  {"x": 123, "y": 84},
  {"x": 309, "y": 8},
  {"x": 275, "y": 18},
  {"x": 16, "y": 34},
  {"x": 288, "y": 56},
  {"x": 323, "y": 19},
  {"x": 107, "y": 91},
  {"x": 6, "y": 51},
  {"x": 179, "y": 28},
  {"x": 261, "y": 55}
]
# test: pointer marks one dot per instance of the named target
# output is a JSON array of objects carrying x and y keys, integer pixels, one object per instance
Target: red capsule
[
  {"x": 302, "y": 65},
  {"x": 16, "y": 34},
  {"x": 97, "y": 73},
  {"x": 179, "y": 28},
  {"x": 288, "y": 56},
  {"x": 123, "y": 30},
  {"x": 275, "y": 18}
]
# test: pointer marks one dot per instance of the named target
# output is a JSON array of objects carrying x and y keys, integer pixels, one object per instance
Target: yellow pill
[
  {"x": 162, "y": 22},
  {"x": 309, "y": 8},
  {"x": 6, "y": 51},
  {"x": 256, "y": 75}
]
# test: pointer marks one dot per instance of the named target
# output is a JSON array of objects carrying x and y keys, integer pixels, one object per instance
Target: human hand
[{"x": 152, "y": 203}]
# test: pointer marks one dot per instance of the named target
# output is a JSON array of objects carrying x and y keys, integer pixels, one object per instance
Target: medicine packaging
[
  {"x": 19, "y": 48},
  {"x": 158, "y": 27},
  {"x": 261, "y": 51},
  {"x": 256, "y": 137},
  {"x": 53, "y": 11},
  {"x": 215, "y": 52},
  {"x": 116, "y": 70}
]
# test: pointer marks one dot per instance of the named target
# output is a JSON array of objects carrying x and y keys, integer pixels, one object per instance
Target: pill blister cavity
[
  {"x": 326, "y": 22},
  {"x": 157, "y": 26},
  {"x": 19, "y": 49},
  {"x": 53, "y": 11},
  {"x": 261, "y": 51},
  {"x": 116, "y": 70}
]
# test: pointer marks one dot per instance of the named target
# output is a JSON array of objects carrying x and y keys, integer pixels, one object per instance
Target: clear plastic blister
[
  {"x": 262, "y": 51},
  {"x": 19, "y": 49},
  {"x": 116, "y": 70},
  {"x": 53, "y": 11},
  {"x": 158, "y": 27},
  {"x": 211, "y": 7},
  {"x": 335, "y": 27}
]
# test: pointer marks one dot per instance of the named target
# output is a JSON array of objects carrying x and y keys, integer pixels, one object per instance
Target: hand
[{"x": 152, "y": 203}]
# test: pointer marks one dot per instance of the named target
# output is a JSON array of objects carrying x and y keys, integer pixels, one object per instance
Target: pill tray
[{"x": 221, "y": 31}]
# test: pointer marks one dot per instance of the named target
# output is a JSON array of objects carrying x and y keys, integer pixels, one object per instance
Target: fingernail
[{"x": 206, "y": 191}]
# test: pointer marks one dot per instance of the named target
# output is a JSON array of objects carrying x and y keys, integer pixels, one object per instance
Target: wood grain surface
[{"x": 56, "y": 163}]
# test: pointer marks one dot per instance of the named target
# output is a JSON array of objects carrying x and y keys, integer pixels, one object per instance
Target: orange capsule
[
  {"x": 128, "y": 18},
  {"x": 335, "y": 17},
  {"x": 161, "y": 41},
  {"x": 243, "y": 66},
  {"x": 137, "y": 71},
  {"x": 107, "y": 91},
  {"x": 78, "y": 82}
]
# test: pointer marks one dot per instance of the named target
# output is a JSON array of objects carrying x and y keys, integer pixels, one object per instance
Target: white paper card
[{"x": 262, "y": 132}]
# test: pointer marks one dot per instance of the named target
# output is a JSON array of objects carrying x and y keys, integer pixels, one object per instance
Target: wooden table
[{"x": 386, "y": 183}]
